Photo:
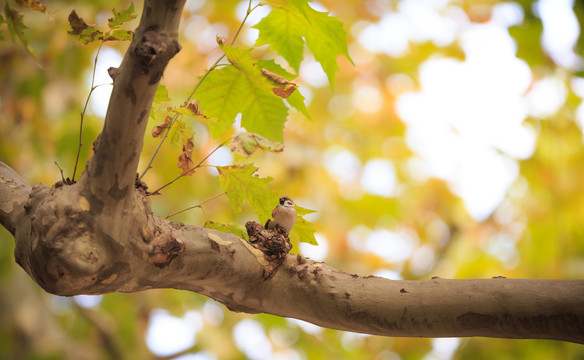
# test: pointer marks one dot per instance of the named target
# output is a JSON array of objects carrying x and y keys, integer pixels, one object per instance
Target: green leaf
[
  {"x": 236, "y": 229},
  {"x": 16, "y": 27},
  {"x": 229, "y": 91},
  {"x": 286, "y": 28},
  {"x": 158, "y": 110},
  {"x": 296, "y": 100},
  {"x": 161, "y": 95},
  {"x": 217, "y": 95},
  {"x": 121, "y": 17},
  {"x": 179, "y": 133},
  {"x": 247, "y": 143},
  {"x": 241, "y": 59},
  {"x": 301, "y": 5},
  {"x": 240, "y": 184},
  {"x": 303, "y": 232},
  {"x": 303, "y": 211},
  {"x": 280, "y": 30}
]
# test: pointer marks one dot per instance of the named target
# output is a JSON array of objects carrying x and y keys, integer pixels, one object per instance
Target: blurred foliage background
[{"x": 452, "y": 148}]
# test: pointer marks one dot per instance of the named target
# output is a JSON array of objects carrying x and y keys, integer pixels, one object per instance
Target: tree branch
[{"x": 111, "y": 171}]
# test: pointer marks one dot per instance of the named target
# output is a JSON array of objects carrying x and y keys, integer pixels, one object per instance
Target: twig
[
  {"x": 200, "y": 205},
  {"x": 149, "y": 165},
  {"x": 155, "y": 192},
  {"x": 84, "y": 109},
  {"x": 61, "y": 170}
]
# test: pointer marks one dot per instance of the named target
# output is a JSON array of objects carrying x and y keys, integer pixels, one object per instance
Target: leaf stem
[
  {"x": 189, "y": 170},
  {"x": 85, "y": 109},
  {"x": 195, "y": 206},
  {"x": 249, "y": 10}
]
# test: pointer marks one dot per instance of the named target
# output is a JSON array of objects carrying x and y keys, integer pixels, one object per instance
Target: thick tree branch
[
  {"x": 74, "y": 256},
  {"x": 111, "y": 171}
]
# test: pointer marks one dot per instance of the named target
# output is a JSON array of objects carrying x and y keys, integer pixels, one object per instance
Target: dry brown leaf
[
  {"x": 276, "y": 78},
  {"x": 185, "y": 161},
  {"x": 193, "y": 106},
  {"x": 32, "y": 4},
  {"x": 158, "y": 129}
]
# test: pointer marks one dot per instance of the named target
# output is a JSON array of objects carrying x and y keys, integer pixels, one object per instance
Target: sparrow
[{"x": 284, "y": 215}]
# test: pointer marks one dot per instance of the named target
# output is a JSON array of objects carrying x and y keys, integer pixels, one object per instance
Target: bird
[{"x": 284, "y": 215}]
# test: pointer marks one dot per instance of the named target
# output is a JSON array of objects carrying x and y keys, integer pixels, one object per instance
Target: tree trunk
[{"x": 99, "y": 235}]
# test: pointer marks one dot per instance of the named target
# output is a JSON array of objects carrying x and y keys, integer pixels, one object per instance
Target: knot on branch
[
  {"x": 274, "y": 244},
  {"x": 156, "y": 45},
  {"x": 163, "y": 249},
  {"x": 61, "y": 250},
  {"x": 155, "y": 49}
]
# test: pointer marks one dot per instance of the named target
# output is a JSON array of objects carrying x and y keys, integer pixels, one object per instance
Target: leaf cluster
[
  {"x": 87, "y": 33},
  {"x": 261, "y": 92}
]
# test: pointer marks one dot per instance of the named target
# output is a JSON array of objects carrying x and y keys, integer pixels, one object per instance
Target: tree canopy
[{"x": 419, "y": 139}]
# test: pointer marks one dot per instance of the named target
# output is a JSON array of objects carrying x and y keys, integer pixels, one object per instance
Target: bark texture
[{"x": 99, "y": 235}]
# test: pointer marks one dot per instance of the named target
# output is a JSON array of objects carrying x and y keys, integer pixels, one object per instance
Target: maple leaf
[
  {"x": 240, "y": 184},
  {"x": 286, "y": 29},
  {"x": 118, "y": 35},
  {"x": 82, "y": 31},
  {"x": 303, "y": 232},
  {"x": 229, "y": 91},
  {"x": 247, "y": 143},
  {"x": 121, "y": 17}
]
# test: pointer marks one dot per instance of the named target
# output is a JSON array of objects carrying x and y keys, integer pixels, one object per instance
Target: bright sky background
[{"x": 465, "y": 124}]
